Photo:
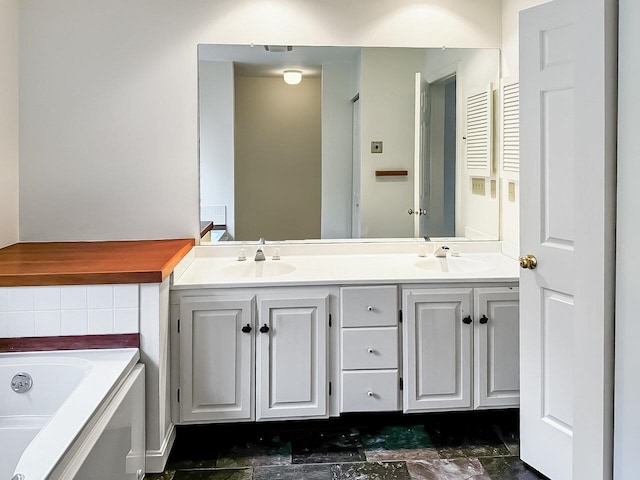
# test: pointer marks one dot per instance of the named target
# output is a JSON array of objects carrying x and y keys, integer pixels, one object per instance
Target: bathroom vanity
[{"x": 336, "y": 328}]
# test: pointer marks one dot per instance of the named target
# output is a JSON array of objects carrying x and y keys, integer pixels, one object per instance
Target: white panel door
[
  {"x": 291, "y": 359},
  {"x": 496, "y": 347},
  {"x": 437, "y": 333},
  {"x": 216, "y": 359},
  {"x": 547, "y": 216},
  {"x": 420, "y": 187}
]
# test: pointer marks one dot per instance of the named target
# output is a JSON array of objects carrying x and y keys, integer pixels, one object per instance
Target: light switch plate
[
  {"x": 512, "y": 191},
  {"x": 376, "y": 147},
  {"x": 478, "y": 186},
  {"x": 493, "y": 189}
]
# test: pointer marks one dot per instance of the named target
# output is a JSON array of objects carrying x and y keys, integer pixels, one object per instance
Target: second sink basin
[
  {"x": 253, "y": 269},
  {"x": 453, "y": 265}
]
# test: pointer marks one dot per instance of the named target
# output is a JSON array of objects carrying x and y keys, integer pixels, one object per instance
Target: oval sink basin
[
  {"x": 453, "y": 265},
  {"x": 252, "y": 269}
]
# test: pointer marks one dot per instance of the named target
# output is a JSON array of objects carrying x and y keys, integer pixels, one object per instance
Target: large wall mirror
[{"x": 358, "y": 143}]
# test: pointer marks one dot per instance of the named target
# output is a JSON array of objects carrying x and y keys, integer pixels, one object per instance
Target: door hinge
[
  {"x": 329, "y": 320},
  {"x": 178, "y": 325},
  {"x": 401, "y": 384},
  {"x": 329, "y": 388},
  {"x": 178, "y": 395},
  {"x": 399, "y": 316}
]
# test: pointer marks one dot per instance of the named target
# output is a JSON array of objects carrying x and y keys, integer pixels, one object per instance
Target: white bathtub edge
[
  {"x": 157, "y": 459},
  {"x": 77, "y": 412}
]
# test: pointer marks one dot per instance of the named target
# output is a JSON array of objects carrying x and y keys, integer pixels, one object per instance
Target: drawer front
[
  {"x": 369, "y": 306},
  {"x": 370, "y": 391},
  {"x": 369, "y": 348}
]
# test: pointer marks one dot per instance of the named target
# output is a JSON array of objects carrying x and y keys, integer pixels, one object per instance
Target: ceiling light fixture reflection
[{"x": 292, "y": 77}]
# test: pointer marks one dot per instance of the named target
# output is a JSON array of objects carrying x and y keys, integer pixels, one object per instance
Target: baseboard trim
[{"x": 156, "y": 460}]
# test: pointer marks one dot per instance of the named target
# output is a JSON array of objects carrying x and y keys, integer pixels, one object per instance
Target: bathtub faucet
[{"x": 260, "y": 253}]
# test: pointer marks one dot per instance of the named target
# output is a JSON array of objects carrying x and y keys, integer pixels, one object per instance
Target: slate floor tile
[
  {"x": 447, "y": 469},
  {"x": 395, "y": 437},
  {"x": 166, "y": 475},
  {"x": 293, "y": 472},
  {"x": 236, "y": 474},
  {"x": 193, "y": 448},
  {"x": 328, "y": 447},
  {"x": 264, "y": 450},
  {"x": 370, "y": 471},
  {"x": 466, "y": 436},
  {"x": 404, "y": 455},
  {"x": 508, "y": 429},
  {"x": 509, "y": 468}
]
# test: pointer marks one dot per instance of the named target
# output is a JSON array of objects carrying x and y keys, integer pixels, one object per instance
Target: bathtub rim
[{"x": 109, "y": 369}]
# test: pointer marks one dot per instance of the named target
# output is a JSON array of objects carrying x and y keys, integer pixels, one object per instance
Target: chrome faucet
[
  {"x": 441, "y": 251},
  {"x": 260, "y": 253}
]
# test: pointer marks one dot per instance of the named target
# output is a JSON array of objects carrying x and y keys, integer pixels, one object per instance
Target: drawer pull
[
  {"x": 370, "y": 350},
  {"x": 369, "y": 308},
  {"x": 370, "y": 393}
]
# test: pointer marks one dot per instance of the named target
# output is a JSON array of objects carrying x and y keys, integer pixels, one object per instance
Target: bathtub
[{"x": 83, "y": 416}]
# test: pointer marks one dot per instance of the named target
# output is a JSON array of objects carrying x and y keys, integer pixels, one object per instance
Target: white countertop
[{"x": 341, "y": 264}]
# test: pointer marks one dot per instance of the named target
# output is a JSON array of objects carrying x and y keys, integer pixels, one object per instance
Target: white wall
[
  {"x": 387, "y": 81},
  {"x": 8, "y": 122},
  {"x": 216, "y": 96},
  {"x": 108, "y": 89},
  {"x": 337, "y": 174},
  {"x": 627, "y": 390}
]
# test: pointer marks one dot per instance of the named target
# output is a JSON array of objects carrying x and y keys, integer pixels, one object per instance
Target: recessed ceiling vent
[{"x": 278, "y": 48}]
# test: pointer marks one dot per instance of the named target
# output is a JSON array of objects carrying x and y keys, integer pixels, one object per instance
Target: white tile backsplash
[
  {"x": 100, "y": 296},
  {"x": 125, "y": 296},
  {"x": 46, "y": 298},
  {"x": 100, "y": 321},
  {"x": 20, "y": 299},
  {"x": 214, "y": 213},
  {"x": 4, "y": 325},
  {"x": 21, "y": 324},
  {"x": 75, "y": 322},
  {"x": 4, "y": 300},
  {"x": 126, "y": 320},
  {"x": 73, "y": 298},
  {"x": 48, "y": 323},
  {"x": 69, "y": 310}
]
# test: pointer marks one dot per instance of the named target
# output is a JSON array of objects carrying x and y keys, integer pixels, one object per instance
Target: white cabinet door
[
  {"x": 437, "y": 335},
  {"x": 291, "y": 378},
  {"x": 216, "y": 359},
  {"x": 496, "y": 347}
]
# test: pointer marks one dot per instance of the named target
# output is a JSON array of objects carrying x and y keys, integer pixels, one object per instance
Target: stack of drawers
[{"x": 370, "y": 360}]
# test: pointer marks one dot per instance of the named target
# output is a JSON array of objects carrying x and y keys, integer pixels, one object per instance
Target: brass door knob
[{"x": 528, "y": 261}]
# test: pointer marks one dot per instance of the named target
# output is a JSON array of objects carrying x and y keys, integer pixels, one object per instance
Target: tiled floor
[{"x": 451, "y": 446}]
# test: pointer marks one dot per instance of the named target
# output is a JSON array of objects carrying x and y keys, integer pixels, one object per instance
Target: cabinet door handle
[
  {"x": 369, "y": 308},
  {"x": 264, "y": 328},
  {"x": 246, "y": 328},
  {"x": 467, "y": 320},
  {"x": 370, "y": 350},
  {"x": 370, "y": 393},
  {"x": 483, "y": 320}
]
